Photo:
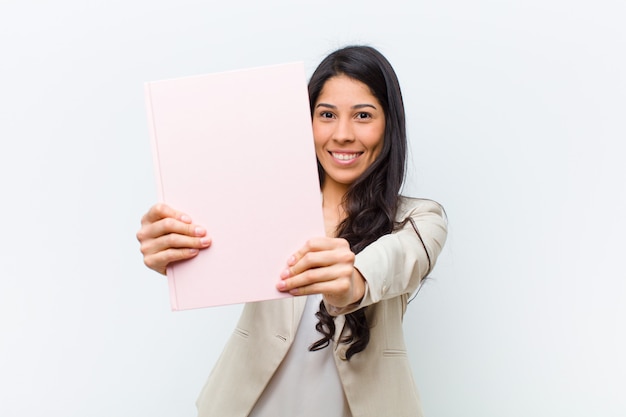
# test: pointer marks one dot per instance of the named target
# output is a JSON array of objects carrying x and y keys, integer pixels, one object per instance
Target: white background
[{"x": 517, "y": 122}]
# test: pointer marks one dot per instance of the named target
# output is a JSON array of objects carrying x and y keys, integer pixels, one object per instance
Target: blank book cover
[{"x": 235, "y": 151}]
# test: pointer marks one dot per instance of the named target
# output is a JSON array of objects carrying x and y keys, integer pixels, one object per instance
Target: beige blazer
[{"x": 377, "y": 381}]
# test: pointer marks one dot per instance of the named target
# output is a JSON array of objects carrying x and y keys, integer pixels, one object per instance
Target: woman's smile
[{"x": 344, "y": 157}]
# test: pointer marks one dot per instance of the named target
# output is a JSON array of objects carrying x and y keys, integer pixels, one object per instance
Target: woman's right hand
[{"x": 167, "y": 236}]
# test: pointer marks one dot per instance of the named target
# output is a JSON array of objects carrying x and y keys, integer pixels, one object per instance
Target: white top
[{"x": 306, "y": 383}]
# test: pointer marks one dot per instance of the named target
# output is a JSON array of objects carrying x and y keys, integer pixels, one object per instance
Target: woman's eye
[
  {"x": 326, "y": 114},
  {"x": 363, "y": 115}
]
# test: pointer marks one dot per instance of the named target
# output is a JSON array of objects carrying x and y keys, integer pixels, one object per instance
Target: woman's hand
[
  {"x": 167, "y": 236},
  {"x": 324, "y": 266}
]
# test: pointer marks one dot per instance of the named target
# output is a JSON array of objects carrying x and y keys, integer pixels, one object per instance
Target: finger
[
  {"x": 335, "y": 289},
  {"x": 317, "y": 244},
  {"x": 316, "y": 275},
  {"x": 320, "y": 259},
  {"x": 173, "y": 241},
  {"x": 338, "y": 293},
  {"x": 168, "y": 226},
  {"x": 161, "y": 211},
  {"x": 171, "y": 225},
  {"x": 159, "y": 261}
]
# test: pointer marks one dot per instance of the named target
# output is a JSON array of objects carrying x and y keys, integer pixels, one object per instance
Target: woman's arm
[{"x": 396, "y": 263}]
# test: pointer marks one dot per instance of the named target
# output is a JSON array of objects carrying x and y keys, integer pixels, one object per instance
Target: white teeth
[{"x": 345, "y": 156}]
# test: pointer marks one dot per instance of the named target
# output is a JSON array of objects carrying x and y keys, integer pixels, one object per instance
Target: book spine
[{"x": 161, "y": 194}]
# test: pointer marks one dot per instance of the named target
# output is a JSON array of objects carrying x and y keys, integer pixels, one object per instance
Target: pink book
[{"x": 235, "y": 151}]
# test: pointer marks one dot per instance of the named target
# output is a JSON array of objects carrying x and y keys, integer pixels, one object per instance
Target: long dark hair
[{"x": 371, "y": 201}]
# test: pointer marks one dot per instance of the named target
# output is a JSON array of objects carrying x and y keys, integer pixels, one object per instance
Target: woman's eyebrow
[
  {"x": 360, "y": 106},
  {"x": 355, "y": 107}
]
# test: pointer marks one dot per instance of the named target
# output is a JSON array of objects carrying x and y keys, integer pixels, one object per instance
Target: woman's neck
[{"x": 332, "y": 199}]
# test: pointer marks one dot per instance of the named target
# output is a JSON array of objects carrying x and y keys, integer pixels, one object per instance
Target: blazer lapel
[
  {"x": 340, "y": 322},
  {"x": 298, "y": 310}
]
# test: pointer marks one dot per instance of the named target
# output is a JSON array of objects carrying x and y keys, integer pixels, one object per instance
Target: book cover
[{"x": 234, "y": 150}]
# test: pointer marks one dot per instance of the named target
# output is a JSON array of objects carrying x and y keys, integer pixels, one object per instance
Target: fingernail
[
  {"x": 199, "y": 231},
  {"x": 185, "y": 218},
  {"x": 291, "y": 260},
  {"x": 193, "y": 251},
  {"x": 281, "y": 285},
  {"x": 285, "y": 273},
  {"x": 205, "y": 241}
]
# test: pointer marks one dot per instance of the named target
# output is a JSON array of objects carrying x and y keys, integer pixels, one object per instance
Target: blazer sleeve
[{"x": 396, "y": 263}]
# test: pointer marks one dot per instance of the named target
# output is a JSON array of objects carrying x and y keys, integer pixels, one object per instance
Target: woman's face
[{"x": 348, "y": 128}]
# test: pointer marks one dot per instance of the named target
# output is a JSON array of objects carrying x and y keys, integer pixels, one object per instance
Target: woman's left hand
[{"x": 325, "y": 266}]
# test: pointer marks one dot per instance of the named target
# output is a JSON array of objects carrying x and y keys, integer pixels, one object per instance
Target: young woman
[{"x": 340, "y": 350}]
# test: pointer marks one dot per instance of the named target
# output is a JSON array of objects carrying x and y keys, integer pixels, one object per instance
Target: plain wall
[{"x": 517, "y": 121}]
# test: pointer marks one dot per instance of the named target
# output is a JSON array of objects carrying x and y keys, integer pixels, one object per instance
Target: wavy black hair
[{"x": 371, "y": 201}]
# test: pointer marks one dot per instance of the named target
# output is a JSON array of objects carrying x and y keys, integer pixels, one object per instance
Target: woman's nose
[{"x": 343, "y": 132}]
